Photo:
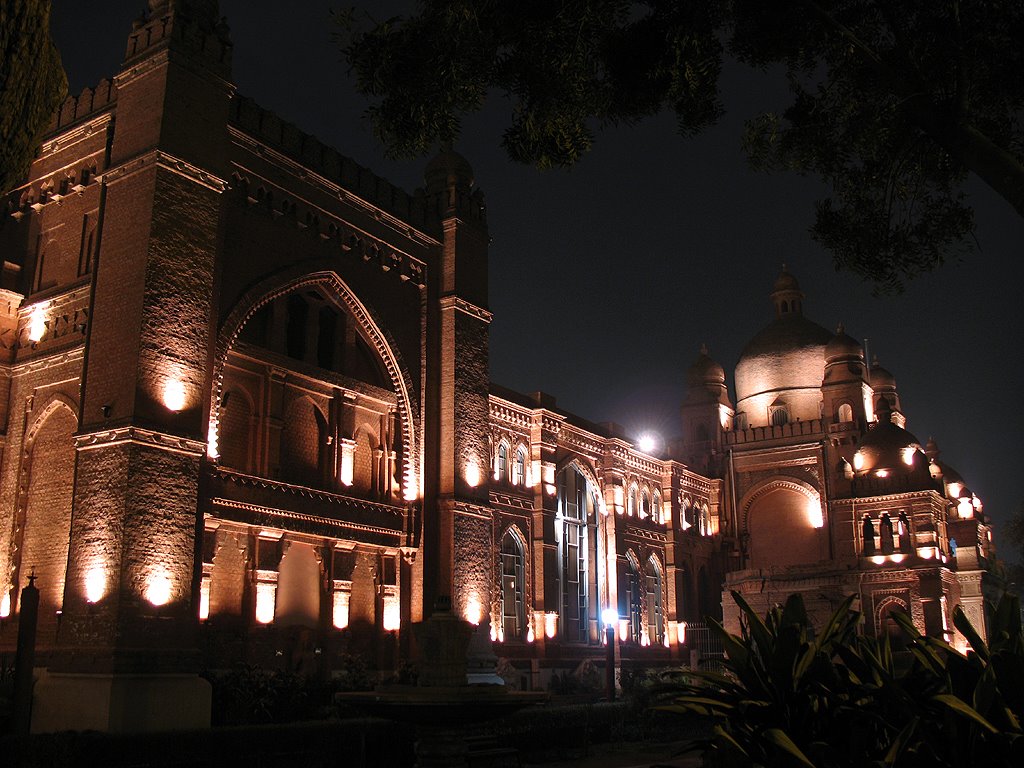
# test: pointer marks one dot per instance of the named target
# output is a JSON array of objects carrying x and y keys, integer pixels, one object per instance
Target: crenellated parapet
[{"x": 250, "y": 118}]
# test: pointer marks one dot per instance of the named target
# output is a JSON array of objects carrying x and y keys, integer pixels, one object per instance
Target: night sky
[{"x": 606, "y": 279}]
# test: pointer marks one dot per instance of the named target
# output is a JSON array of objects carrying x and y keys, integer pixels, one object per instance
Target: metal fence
[{"x": 706, "y": 650}]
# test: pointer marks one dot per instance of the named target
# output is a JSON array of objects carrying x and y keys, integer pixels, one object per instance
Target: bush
[{"x": 837, "y": 698}]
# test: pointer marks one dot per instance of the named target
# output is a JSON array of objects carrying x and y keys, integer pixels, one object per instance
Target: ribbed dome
[{"x": 785, "y": 282}]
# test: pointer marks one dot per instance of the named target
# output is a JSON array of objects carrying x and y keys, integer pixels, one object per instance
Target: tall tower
[
  {"x": 706, "y": 412},
  {"x": 457, "y": 535},
  {"x": 126, "y": 658}
]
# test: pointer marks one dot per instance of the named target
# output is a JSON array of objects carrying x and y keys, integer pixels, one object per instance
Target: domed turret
[
  {"x": 889, "y": 452},
  {"x": 448, "y": 169},
  {"x": 843, "y": 346},
  {"x": 705, "y": 370},
  {"x": 778, "y": 377}
]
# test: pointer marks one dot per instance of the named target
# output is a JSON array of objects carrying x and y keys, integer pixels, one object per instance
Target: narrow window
[
  {"x": 519, "y": 467},
  {"x": 501, "y": 471},
  {"x": 513, "y": 617}
]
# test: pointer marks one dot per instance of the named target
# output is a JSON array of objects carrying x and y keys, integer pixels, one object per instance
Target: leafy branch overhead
[
  {"x": 32, "y": 84},
  {"x": 893, "y": 105}
]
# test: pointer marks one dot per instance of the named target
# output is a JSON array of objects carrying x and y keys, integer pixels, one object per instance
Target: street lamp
[{"x": 609, "y": 616}]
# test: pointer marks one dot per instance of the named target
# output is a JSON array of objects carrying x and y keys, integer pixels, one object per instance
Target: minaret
[
  {"x": 127, "y": 659},
  {"x": 706, "y": 411},
  {"x": 457, "y": 533}
]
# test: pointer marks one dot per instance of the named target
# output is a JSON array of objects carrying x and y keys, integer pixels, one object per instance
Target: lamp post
[{"x": 609, "y": 616}]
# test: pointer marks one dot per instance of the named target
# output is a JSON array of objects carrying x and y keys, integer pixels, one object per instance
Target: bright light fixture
[
  {"x": 158, "y": 589},
  {"x": 37, "y": 324},
  {"x": 174, "y": 394},
  {"x": 609, "y": 616},
  {"x": 95, "y": 584},
  {"x": 648, "y": 442}
]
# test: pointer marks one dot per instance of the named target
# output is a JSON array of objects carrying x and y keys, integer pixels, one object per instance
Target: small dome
[
  {"x": 785, "y": 282},
  {"x": 842, "y": 346},
  {"x": 448, "y": 168},
  {"x": 705, "y": 370},
  {"x": 888, "y": 449},
  {"x": 881, "y": 378}
]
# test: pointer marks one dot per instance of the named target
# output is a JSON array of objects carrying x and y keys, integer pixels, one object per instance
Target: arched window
[
  {"x": 519, "y": 467},
  {"x": 779, "y": 416},
  {"x": 845, "y": 413},
  {"x": 868, "y": 535},
  {"x": 501, "y": 467},
  {"x": 685, "y": 518},
  {"x": 655, "y": 615},
  {"x": 645, "y": 505},
  {"x": 513, "y": 612},
  {"x": 577, "y": 500},
  {"x": 657, "y": 510},
  {"x": 634, "y": 598},
  {"x": 632, "y": 501}
]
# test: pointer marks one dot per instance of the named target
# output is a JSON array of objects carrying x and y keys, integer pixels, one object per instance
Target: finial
[
  {"x": 704, "y": 349},
  {"x": 840, "y": 330}
]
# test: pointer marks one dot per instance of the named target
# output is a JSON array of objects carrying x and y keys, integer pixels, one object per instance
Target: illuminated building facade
[
  {"x": 827, "y": 493},
  {"x": 248, "y": 418}
]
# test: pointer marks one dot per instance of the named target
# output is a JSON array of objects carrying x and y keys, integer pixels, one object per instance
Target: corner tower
[{"x": 127, "y": 659}]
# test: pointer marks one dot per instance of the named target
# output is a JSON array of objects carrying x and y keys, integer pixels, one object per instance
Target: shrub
[{"x": 837, "y": 698}]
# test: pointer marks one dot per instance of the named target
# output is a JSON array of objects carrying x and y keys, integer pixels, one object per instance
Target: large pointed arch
[
  {"x": 55, "y": 541},
  {"x": 283, "y": 283}
]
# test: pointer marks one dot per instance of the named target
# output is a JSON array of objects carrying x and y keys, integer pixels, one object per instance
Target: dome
[
  {"x": 448, "y": 167},
  {"x": 783, "y": 365},
  {"x": 705, "y": 370},
  {"x": 881, "y": 378},
  {"x": 785, "y": 282},
  {"x": 888, "y": 449},
  {"x": 842, "y": 345}
]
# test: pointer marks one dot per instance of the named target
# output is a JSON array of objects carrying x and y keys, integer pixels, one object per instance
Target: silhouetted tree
[
  {"x": 893, "y": 103},
  {"x": 32, "y": 84}
]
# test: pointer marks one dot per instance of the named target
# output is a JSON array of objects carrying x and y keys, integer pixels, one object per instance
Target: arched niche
[
  {"x": 376, "y": 350},
  {"x": 783, "y": 520}
]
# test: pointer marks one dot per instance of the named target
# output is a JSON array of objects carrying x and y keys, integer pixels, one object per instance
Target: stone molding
[
  {"x": 140, "y": 436},
  {"x": 168, "y": 162}
]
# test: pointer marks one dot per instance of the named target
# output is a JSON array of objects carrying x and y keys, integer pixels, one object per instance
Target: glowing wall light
[
  {"x": 530, "y": 636},
  {"x": 174, "y": 394},
  {"x": 392, "y": 618},
  {"x": 266, "y": 601},
  {"x": 648, "y": 442},
  {"x": 474, "y": 611},
  {"x": 158, "y": 588},
  {"x": 907, "y": 454},
  {"x": 954, "y": 489},
  {"x": 95, "y": 584},
  {"x": 623, "y": 630},
  {"x": 472, "y": 474},
  {"x": 37, "y": 324},
  {"x": 494, "y": 634},
  {"x": 204, "y": 598},
  {"x": 5, "y": 605},
  {"x": 550, "y": 624},
  {"x": 964, "y": 509},
  {"x": 882, "y": 473},
  {"x": 928, "y": 553},
  {"x": 213, "y": 441},
  {"x": 681, "y": 632},
  {"x": 814, "y": 514},
  {"x": 858, "y": 461},
  {"x": 346, "y": 473},
  {"x": 339, "y": 612}
]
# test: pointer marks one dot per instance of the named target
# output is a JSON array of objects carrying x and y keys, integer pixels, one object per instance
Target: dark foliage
[
  {"x": 837, "y": 698},
  {"x": 893, "y": 104},
  {"x": 32, "y": 84}
]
